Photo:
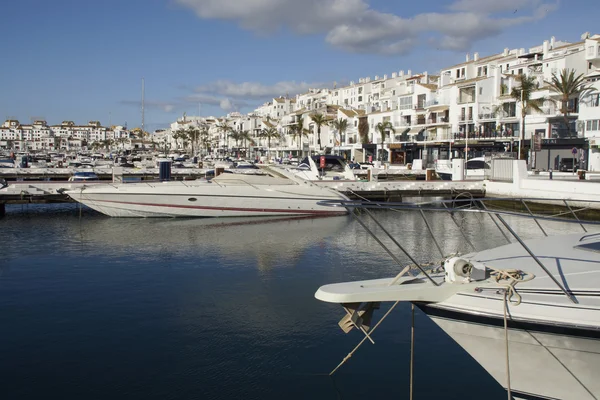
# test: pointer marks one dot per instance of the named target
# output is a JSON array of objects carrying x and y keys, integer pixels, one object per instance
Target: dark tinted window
[{"x": 476, "y": 164}]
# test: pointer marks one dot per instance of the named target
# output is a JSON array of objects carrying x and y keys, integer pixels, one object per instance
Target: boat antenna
[{"x": 143, "y": 108}]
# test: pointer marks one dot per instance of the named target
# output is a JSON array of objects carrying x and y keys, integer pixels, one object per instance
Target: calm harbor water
[{"x": 99, "y": 308}]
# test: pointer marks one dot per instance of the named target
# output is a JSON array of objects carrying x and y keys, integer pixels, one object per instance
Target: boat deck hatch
[{"x": 594, "y": 246}]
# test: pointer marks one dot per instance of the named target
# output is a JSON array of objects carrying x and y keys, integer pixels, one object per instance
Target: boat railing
[
  {"x": 229, "y": 180},
  {"x": 570, "y": 212}
]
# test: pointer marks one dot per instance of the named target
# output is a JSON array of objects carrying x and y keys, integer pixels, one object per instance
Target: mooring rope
[
  {"x": 514, "y": 276},
  {"x": 365, "y": 338}
]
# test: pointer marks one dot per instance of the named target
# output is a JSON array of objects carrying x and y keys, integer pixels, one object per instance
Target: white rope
[
  {"x": 412, "y": 348},
  {"x": 506, "y": 299},
  {"x": 513, "y": 276}
]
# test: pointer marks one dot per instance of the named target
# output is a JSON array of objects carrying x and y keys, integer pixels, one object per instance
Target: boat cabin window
[
  {"x": 334, "y": 164},
  {"x": 594, "y": 246},
  {"x": 477, "y": 164}
]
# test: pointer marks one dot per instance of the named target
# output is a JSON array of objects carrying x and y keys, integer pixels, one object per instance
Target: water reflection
[
  {"x": 270, "y": 242},
  {"x": 215, "y": 308}
]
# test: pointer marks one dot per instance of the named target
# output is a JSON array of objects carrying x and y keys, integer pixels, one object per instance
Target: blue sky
[{"x": 84, "y": 60}]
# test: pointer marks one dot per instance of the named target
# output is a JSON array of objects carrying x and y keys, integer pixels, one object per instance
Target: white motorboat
[
  {"x": 528, "y": 312},
  {"x": 324, "y": 168},
  {"x": 475, "y": 169},
  {"x": 83, "y": 176},
  {"x": 228, "y": 195},
  {"x": 7, "y": 163}
]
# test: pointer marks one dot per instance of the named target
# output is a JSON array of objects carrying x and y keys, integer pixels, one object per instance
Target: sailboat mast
[{"x": 143, "y": 130}]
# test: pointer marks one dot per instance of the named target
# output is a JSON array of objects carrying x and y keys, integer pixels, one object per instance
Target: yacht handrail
[
  {"x": 467, "y": 205},
  {"x": 476, "y": 205}
]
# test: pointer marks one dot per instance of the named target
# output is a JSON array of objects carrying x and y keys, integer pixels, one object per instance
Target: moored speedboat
[
  {"x": 324, "y": 167},
  {"x": 528, "y": 312},
  {"x": 228, "y": 195}
]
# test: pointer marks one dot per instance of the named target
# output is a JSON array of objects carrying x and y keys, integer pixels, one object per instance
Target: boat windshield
[
  {"x": 332, "y": 163},
  {"x": 594, "y": 246}
]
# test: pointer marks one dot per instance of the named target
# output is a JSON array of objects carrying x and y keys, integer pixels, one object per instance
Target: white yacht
[
  {"x": 324, "y": 168},
  {"x": 227, "y": 195},
  {"x": 475, "y": 169},
  {"x": 528, "y": 311}
]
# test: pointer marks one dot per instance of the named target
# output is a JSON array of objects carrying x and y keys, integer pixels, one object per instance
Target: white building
[{"x": 589, "y": 107}]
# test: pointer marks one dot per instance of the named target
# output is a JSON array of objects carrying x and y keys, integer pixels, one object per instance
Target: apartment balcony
[
  {"x": 486, "y": 135},
  {"x": 465, "y": 118},
  {"x": 401, "y": 124},
  {"x": 465, "y": 99},
  {"x": 437, "y": 121}
]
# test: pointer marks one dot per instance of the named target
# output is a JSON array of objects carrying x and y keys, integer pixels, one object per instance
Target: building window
[
  {"x": 480, "y": 91},
  {"x": 590, "y": 51},
  {"x": 405, "y": 103},
  {"x": 595, "y": 100},
  {"x": 359, "y": 98},
  {"x": 592, "y": 125}
]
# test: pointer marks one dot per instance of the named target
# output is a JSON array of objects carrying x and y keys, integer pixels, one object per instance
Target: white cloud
[
  {"x": 352, "y": 25},
  {"x": 255, "y": 89},
  {"x": 303, "y": 16},
  {"x": 493, "y": 6},
  {"x": 226, "y": 105},
  {"x": 230, "y": 95},
  {"x": 149, "y": 104}
]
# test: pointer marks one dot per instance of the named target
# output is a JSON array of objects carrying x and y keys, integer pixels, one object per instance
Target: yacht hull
[
  {"x": 546, "y": 361},
  {"x": 178, "y": 199}
]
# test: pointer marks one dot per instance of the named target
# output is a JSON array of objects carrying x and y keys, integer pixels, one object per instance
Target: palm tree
[
  {"x": 204, "y": 136},
  {"x": 568, "y": 86},
  {"x": 363, "y": 129},
  {"x": 95, "y": 145},
  {"x": 235, "y": 135},
  {"x": 340, "y": 125},
  {"x": 298, "y": 130},
  {"x": 523, "y": 94},
  {"x": 224, "y": 128},
  {"x": 179, "y": 134},
  {"x": 193, "y": 133},
  {"x": 269, "y": 133},
  {"x": 122, "y": 141},
  {"x": 319, "y": 120},
  {"x": 246, "y": 137},
  {"x": 382, "y": 128}
]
